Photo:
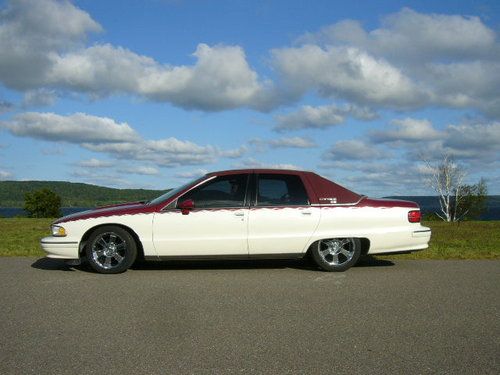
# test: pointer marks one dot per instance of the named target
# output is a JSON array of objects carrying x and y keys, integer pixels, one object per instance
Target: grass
[
  {"x": 466, "y": 240},
  {"x": 21, "y": 236},
  {"x": 463, "y": 240}
]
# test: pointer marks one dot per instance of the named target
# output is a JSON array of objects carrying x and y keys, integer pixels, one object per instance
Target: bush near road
[{"x": 463, "y": 240}]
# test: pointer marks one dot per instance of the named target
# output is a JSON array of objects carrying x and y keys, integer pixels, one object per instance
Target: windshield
[{"x": 171, "y": 193}]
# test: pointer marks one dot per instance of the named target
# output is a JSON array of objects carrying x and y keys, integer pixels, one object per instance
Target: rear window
[{"x": 281, "y": 190}]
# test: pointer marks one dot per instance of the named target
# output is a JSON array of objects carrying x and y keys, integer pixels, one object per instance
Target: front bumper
[{"x": 60, "y": 247}]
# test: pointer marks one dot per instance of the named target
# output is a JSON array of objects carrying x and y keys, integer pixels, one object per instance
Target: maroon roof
[
  {"x": 255, "y": 170},
  {"x": 320, "y": 189},
  {"x": 328, "y": 192}
]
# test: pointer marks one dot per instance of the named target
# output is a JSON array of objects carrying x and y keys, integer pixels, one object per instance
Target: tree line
[{"x": 12, "y": 193}]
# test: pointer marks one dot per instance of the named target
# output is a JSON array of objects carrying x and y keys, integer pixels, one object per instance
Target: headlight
[{"x": 58, "y": 231}]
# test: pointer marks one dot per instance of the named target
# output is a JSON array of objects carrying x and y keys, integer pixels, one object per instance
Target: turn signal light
[
  {"x": 414, "y": 216},
  {"x": 58, "y": 231}
]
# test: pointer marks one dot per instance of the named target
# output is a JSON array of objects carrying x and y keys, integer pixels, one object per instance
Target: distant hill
[{"x": 72, "y": 194}]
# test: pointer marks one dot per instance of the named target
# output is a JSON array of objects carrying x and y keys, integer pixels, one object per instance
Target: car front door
[
  {"x": 216, "y": 225},
  {"x": 281, "y": 219}
]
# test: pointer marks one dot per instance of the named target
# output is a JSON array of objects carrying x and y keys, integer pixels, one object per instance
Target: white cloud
[
  {"x": 470, "y": 141},
  {"x": 466, "y": 84},
  {"x": 76, "y": 128},
  {"x": 414, "y": 34},
  {"x": 5, "y": 175},
  {"x": 169, "y": 152},
  {"x": 191, "y": 174},
  {"x": 141, "y": 170},
  {"x": 42, "y": 44},
  {"x": 120, "y": 140},
  {"x": 253, "y": 163},
  {"x": 407, "y": 130},
  {"x": 476, "y": 136},
  {"x": 221, "y": 71},
  {"x": 413, "y": 60},
  {"x": 410, "y": 35},
  {"x": 390, "y": 177},
  {"x": 288, "y": 142},
  {"x": 234, "y": 153},
  {"x": 95, "y": 163},
  {"x": 32, "y": 32},
  {"x": 106, "y": 179},
  {"x": 347, "y": 72},
  {"x": 39, "y": 98},
  {"x": 322, "y": 117},
  {"x": 354, "y": 150}
]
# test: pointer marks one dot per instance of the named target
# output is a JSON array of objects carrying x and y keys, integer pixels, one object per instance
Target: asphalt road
[{"x": 421, "y": 317}]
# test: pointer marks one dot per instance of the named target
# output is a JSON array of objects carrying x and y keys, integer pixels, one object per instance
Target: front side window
[
  {"x": 281, "y": 190},
  {"x": 223, "y": 191}
]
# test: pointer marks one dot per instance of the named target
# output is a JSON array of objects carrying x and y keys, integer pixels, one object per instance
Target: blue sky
[{"x": 149, "y": 94}]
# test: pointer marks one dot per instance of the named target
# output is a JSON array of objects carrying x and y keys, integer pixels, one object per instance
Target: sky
[{"x": 152, "y": 93}]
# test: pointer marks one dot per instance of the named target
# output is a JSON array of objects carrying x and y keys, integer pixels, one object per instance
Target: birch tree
[{"x": 447, "y": 180}]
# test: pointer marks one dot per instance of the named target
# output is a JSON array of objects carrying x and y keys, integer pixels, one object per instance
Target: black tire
[
  {"x": 336, "y": 254},
  {"x": 110, "y": 249}
]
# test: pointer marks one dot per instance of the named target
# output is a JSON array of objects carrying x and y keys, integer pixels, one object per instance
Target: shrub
[{"x": 42, "y": 203}]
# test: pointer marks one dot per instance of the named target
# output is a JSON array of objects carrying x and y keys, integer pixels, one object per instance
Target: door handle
[
  {"x": 239, "y": 213},
  {"x": 306, "y": 212}
]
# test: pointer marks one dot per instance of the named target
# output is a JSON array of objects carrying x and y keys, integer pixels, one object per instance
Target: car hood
[{"x": 111, "y": 210}]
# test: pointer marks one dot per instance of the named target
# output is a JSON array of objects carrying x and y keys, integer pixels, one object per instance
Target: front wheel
[
  {"x": 336, "y": 254},
  {"x": 111, "y": 249}
]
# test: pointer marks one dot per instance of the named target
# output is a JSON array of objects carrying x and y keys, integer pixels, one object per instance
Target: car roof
[{"x": 256, "y": 170}]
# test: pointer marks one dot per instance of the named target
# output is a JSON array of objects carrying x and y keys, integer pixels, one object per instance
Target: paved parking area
[{"x": 422, "y": 317}]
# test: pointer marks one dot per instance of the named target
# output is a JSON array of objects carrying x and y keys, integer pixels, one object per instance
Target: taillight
[{"x": 414, "y": 216}]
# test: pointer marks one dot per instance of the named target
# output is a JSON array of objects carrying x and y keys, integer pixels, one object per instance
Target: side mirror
[{"x": 186, "y": 206}]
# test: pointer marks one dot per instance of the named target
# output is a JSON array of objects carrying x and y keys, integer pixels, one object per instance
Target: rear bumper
[
  {"x": 423, "y": 233},
  {"x": 400, "y": 241},
  {"x": 60, "y": 247}
]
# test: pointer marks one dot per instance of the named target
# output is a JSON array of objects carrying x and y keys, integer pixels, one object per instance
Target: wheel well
[
  {"x": 85, "y": 237},
  {"x": 365, "y": 245}
]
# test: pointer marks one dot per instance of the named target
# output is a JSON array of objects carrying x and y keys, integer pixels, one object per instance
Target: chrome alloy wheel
[
  {"x": 337, "y": 251},
  {"x": 108, "y": 250}
]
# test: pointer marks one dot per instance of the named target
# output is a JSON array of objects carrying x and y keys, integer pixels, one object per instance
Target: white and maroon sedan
[{"x": 250, "y": 213}]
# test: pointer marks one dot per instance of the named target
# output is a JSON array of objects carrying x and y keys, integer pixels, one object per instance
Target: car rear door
[{"x": 281, "y": 219}]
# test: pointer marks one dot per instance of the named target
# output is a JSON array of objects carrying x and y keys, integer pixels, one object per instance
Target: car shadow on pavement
[
  {"x": 224, "y": 264},
  {"x": 371, "y": 261},
  {"x": 300, "y": 264},
  {"x": 306, "y": 264},
  {"x": 49, "y": 264}
]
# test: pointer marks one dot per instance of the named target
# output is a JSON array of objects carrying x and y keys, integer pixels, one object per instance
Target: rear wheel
[
  {"x": 336, "y": 254},
  {"x": 111, "y": 249}
]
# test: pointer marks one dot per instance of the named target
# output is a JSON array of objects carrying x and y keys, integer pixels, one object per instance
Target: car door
[
  {"x": 281, "y": 219},
  {"x": 216, "y": 225}
]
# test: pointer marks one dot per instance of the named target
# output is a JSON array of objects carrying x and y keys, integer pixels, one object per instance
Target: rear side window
[{"x": 280, "y": 190}]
